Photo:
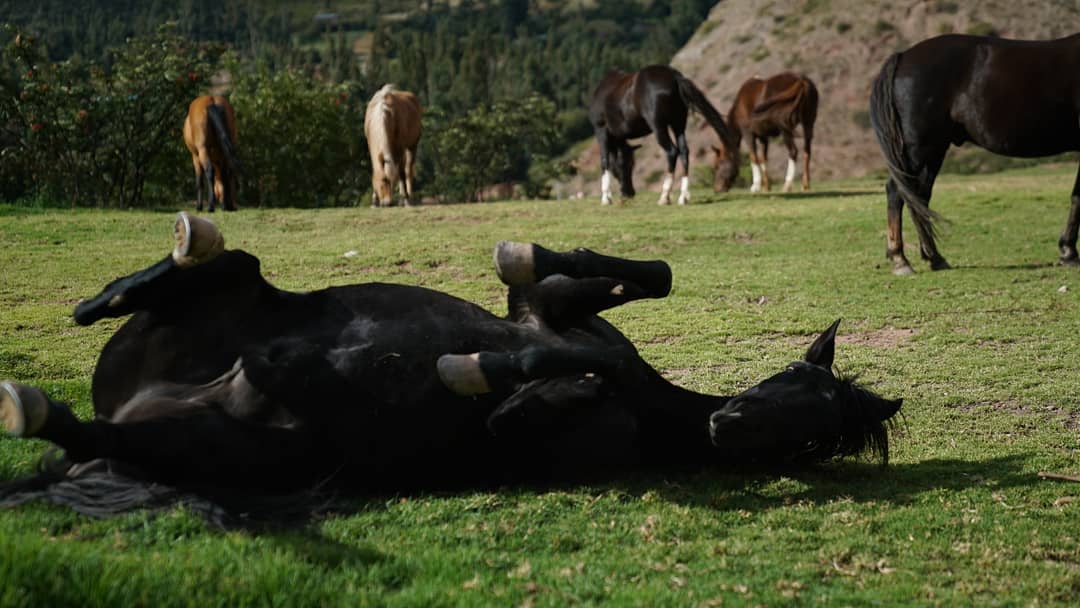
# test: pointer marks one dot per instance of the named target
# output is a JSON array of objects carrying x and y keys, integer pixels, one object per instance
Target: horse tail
[
  {"x": 108, "y": 493},
  {"x": 694, "y": 98},
  {"x": 890, "y": 136},
  {"x": 221, "y": 129}
]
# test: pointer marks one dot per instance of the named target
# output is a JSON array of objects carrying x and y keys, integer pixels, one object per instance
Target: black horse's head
[
  {"x": 802, "y": 402},
  {"x": 622, "y": 161}
]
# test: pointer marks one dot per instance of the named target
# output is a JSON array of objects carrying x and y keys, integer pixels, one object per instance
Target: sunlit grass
[{"x": 985, "y": 356}]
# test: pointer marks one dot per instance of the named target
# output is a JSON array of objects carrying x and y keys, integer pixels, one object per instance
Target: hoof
[
  {"x": 1070, "y": 261},
  {"x": 515, "y": 263},
  {"x": 940, "y": 264},
  {"x": 23, "y": 409},
  {"x": 197, "y": 240},
  {"x": 903, "y": 270},
  {"x": 462, "y": 374}
]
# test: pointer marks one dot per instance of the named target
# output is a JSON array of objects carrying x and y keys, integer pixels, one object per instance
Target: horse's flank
[{"x": 392, "y": 127}]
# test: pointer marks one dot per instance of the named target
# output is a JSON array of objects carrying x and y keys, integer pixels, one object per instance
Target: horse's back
[
  {"x": 198, "y": 132},
  {"x": 1012, "y": 97}
]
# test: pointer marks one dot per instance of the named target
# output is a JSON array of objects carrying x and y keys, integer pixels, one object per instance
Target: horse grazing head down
[
  {"x": 725, "y": 166},
  {"x": 806, "y": 413}
]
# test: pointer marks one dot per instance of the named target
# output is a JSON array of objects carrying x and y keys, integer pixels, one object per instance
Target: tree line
[{"x": 91, "y": 121}]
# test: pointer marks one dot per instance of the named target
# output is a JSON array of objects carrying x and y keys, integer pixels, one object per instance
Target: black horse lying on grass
[{"x": 222, "y": 383}]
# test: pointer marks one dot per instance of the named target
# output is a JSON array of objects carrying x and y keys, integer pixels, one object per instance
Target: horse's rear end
[
  {"x": 1012, "y": 97},
  {"x": 210, "y": 136},
  {"x": 392, "y": 127}
]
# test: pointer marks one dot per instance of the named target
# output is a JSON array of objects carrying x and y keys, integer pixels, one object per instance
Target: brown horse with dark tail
[
  {"x": 765, "y": 108},
  {"x": 1011, "y": 97},
  {"x": 210, "y": 135}
]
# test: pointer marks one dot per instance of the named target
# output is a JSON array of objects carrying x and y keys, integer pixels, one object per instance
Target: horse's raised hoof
[
  {"x": 515, "y": 263},
  {"x": 462, "y": 374},
  {"x": 198, "y": 240},
  {"x": 23, "y": 409}
]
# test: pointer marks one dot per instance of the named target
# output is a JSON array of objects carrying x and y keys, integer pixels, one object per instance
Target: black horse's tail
[
  {"x": 890, "y": 136},
  {"x": 217, "y": 119},
  {"x": 106, "y": 493},
  {"x": 694, "y": 98}
]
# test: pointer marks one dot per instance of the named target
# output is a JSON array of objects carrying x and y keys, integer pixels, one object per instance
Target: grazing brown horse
[
  {"x": 392, "y": 128},
  {"x": 655, "y": 99},
  {"x": 210, "y": 135},
  {"x": 1011, "y": 97},
  {"x": 768, "y": 108}
]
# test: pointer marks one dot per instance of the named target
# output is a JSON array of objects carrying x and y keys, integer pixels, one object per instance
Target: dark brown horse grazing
[
  {"x": 226, "y": 386},
  {"x": 210, "y": 135},
  {"x": 769, "y": 108},
  {"x": 655, "y": 99},
  {"x": 1011, "y": 97}
]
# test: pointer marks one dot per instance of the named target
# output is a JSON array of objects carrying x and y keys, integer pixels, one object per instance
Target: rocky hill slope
[{"x": 841, "y": 45}]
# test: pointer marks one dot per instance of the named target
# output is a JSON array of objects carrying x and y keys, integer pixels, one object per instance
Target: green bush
[
  {"x": 77, "y": 132},
  {"x": 300, "y": 139}
]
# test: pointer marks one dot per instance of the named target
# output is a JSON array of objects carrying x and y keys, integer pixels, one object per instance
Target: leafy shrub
[
  {"x": 301, "y": 140},
  {"x": 77, "y": 132}
]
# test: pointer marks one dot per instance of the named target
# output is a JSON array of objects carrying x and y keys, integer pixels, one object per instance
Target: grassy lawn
[{"x": 985, "y": 355}]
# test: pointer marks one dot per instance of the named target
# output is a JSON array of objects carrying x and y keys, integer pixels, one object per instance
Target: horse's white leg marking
[
  {"x": 684, "y": 193},
  {"x": 790, "y": 177},
  {"x": 665, "y": 190},
  {"x": 605, "y": 188},
  {"x": 755, "y": 169}
]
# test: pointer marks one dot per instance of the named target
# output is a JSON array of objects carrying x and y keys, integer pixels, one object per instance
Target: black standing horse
[
  {"x": 223, "y": 383},
  {"x": 655, "y": 99},
  {"x": 1012, "y": 97}
]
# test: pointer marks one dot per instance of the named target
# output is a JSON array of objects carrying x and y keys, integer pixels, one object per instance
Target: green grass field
[{"x": 985, "y": 355}]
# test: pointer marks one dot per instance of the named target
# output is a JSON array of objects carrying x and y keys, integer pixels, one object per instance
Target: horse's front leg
[
  {"x": 755, "y": 161},
  {"x": 793, "y": 156},
  {"x": 605, "y": 168},
  {"x": 410, "y": 172},
  {"x": 765, "y": 187},
  {"x": 1067, "y": 242}
]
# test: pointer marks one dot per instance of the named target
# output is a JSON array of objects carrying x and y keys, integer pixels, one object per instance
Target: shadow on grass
[
  {"x": 709, "y": 199},
  {"x": 897, "y": 484}
]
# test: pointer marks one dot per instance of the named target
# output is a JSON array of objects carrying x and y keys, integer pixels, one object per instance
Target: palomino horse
[
  {"x": 655, "y": 99},
  {"x": 210, "y": 135},
  {"x": 392, "y": 128},
  {"x": 1011, "y": 97},
  {"x": 768, "y": 108},
  {"x": 222, "y": 383}
]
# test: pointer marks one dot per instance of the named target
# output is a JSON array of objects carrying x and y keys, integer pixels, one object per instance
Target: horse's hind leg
[
  {"x": 684, "y": 154},
  {"x": 410, "y": 172},
  {"x": 672, "y": 154},
  {"x": 1067, "y": 242},
  {"x": 793, "y": 156},
  {"x": 808, "y": 137},
  {"x": 928, "y": 161},
  {"x": 525, "y": 263},
  {"x": 182, "y": 444},
  {"x": 894, "y": 250},
  {"x": 198, "y": 182}
]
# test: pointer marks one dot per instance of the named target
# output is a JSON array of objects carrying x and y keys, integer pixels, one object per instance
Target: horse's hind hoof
[
  {"x": 1071, "y": 261},
  {"x": 903, "y": 270},
  {"x": 198, "y": 240},
  {"x": 940, "y": 264},
  {"x": 462, "y": 374},
  {"x": 515, "y": 263},
  {"x": 23, "y": 409}
]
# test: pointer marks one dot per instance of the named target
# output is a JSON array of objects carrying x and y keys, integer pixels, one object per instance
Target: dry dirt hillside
[{"x": 840, "y": 44}]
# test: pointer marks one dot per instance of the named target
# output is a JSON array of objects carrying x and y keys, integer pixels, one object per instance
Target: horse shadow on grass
[
  {"x": 711, "y": 198},
  {"x": 896, "y": 484}
]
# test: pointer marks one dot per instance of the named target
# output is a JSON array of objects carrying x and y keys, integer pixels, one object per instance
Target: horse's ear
[{"x": 822, "y": 351}]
